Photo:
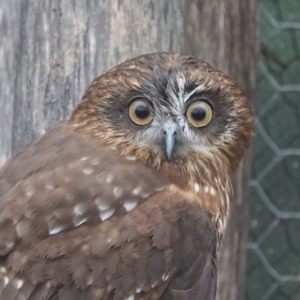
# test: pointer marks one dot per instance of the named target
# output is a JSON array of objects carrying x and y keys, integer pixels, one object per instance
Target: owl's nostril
[{"x": 169, "y": 130}]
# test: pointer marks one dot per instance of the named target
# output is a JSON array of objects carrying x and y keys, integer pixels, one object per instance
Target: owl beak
[{"x": 170, "y": 130}]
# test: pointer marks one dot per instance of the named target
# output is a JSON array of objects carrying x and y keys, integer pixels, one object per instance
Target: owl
[{"x": 129, "y": 198}]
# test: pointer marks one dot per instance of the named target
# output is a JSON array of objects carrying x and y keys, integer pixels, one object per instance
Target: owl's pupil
[
  {"x": 142, "y": 111},
  {"x": 198, "y": 113}
]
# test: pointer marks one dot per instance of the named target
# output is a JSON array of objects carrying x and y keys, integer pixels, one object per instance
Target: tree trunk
[
  {"x": 51, "y": 50},
  {"x": 225, "y": 34}
]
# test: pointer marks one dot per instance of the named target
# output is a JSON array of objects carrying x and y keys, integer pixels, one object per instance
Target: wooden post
[
  {"x": 225, "y": 33},
  {"x": 51, "y": 50}
]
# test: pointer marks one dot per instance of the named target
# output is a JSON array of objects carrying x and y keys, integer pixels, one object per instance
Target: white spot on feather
[
  {"x": 9, "y": 245},
  {"x": 49, "y": 186},
  {"x": 3, "y": 270},
  {"x": 79, "y": 209},
  {"x": 130, "y": 157},
  {"x": 101, "y": 205},
  {"x": 138, "y": 290},
  {"x": 22, "y": 228},
  {"x": 29, "y": 214},
  {"x": 84, "y": 158},
  {"x": 213, "y": 191},
  {"x": 88, "y": 171},
  {"x": 196, "y": 187},
  {"x": 146, "y": 195},
  {"x": 227, "y": 199},
  {"x": 117, "y": 192},
  {"x": 29, "y": 193},
  {"x": 165, "y": 277},
  {"x": 6, "y": 281},
  {"x": 77, "y": 221},
  {"x": 130, "y": 204},
  {"x": 90, "y": 280},
  {"x": 19, "y": 283},
  {"x": 109, "y": 178},
  {"x": 130, "y": 298},
  {"x": 137, "y": 190},
  {"x": 105, "y": 214},
  {"x": 56, "y": 230},
  {"x": 159, "y": 189}
]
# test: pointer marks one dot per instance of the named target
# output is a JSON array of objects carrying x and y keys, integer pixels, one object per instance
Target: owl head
[{"x": 169, "y": 109}]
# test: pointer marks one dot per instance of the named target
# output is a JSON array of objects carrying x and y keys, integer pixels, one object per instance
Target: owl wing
[{"x": 80, "y": 222}]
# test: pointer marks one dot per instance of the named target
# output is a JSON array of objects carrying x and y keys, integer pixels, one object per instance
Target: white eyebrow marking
[{"x": 199, "y": 88}]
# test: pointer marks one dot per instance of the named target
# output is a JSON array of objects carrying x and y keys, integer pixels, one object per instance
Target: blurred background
[
  {"x": 51, "y": 50},
  {"x": 273, "y": 270}
]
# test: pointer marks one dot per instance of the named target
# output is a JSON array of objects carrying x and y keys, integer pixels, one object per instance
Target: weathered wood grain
[
  {"x": 55, "y": 48},
  {"x": 9, "y": 33}
]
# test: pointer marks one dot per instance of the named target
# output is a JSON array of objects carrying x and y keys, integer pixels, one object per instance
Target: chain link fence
[{"x": 274, "y": 236}]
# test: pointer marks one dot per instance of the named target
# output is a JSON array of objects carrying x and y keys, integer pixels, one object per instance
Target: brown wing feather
[{"x": 68, "y": 231}]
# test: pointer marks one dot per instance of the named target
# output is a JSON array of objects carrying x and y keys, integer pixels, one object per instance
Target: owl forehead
[{"x": 178, "y": 91}]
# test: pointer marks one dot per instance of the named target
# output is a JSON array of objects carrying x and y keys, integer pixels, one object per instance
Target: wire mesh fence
[{"x": 274, "y": 237}]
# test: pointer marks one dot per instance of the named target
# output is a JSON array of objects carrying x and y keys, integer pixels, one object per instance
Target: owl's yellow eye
[
  {"x": 199, "y": 113},
  {"x": 140, "y": 112}
]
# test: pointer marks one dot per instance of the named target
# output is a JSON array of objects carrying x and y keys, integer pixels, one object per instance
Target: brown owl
[{"x": 129, "y": 198}]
